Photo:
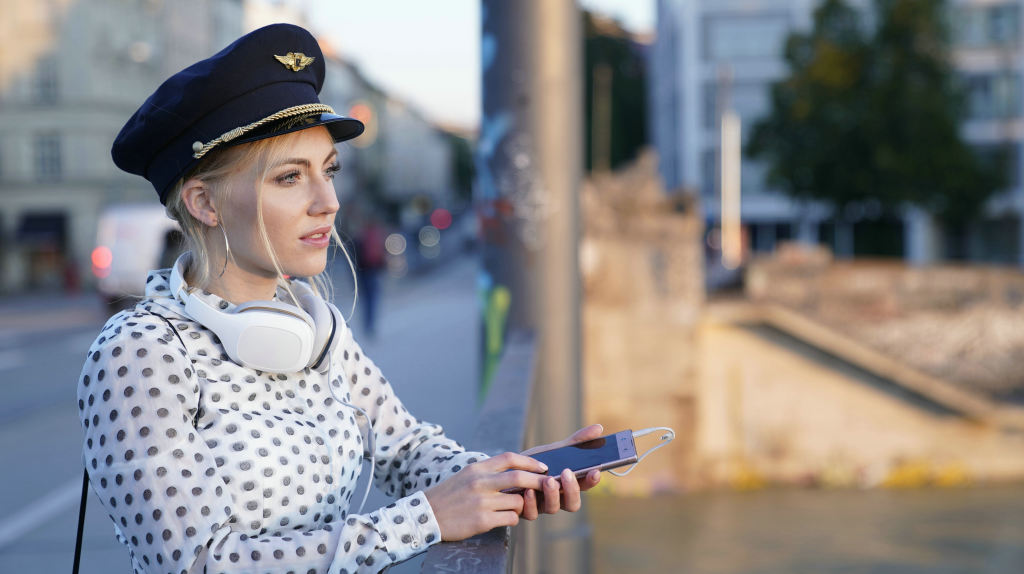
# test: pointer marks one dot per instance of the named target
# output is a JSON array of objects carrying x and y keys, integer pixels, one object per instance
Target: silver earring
[{"x": 227, "y": 251}]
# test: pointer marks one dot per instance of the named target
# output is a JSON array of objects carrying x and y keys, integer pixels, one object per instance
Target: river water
[{"x": 948, "y": 531}]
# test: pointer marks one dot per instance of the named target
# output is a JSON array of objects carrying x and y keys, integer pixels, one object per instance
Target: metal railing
[{"x": 502, "y": 428}]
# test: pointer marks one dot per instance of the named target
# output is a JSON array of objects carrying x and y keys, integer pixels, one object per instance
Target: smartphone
[{"x": 611, "y": 451}]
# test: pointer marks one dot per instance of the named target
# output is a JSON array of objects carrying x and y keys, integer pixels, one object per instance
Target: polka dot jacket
[{"x": 208, "y": 466}]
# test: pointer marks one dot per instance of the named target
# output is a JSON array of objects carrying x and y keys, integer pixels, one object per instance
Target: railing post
[{"x": 530, "y": 164}]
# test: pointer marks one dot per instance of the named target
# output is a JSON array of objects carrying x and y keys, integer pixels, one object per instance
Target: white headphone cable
[
  {"x": 665, "y": 439},
  {"x": 369, "y": 454}
]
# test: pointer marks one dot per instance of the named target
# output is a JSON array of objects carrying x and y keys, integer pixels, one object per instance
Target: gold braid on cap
[{"x": 201, "y": 149}]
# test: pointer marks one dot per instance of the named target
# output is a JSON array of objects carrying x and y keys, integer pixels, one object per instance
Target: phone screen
[{"x": 578, "y": 456}]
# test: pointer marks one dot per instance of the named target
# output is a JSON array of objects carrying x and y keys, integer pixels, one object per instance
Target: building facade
[
  {"x": 713, "y": 54},
  {"x": 75, "y": 72}
]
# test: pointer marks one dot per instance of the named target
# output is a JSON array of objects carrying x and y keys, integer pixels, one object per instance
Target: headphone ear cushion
[{"x": 325, "y": 318}]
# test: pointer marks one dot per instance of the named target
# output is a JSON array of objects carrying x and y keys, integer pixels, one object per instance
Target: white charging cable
[
  {"x": 665, "y": 439},
  {"x": 369, "y": 454}
]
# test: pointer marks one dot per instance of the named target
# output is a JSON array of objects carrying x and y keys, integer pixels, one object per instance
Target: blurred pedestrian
[
  {"x": 224, "y": 413},
  {"x": 371, "y": 259}
]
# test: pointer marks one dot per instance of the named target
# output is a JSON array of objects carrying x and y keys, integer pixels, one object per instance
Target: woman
[{"x": 223, "y": 413}]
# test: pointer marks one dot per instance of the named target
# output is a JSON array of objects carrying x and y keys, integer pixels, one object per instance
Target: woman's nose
[{"x": 326, "y": 199}]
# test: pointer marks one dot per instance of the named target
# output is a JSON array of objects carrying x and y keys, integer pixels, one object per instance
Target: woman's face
[{"x": 299, "y": 204}]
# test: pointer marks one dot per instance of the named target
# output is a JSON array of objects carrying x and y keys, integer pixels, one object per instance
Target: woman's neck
[{"x": 237, "y": 285}]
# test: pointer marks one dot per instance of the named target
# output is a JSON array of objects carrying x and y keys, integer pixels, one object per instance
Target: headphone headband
[{"x": 269, "y": 336}]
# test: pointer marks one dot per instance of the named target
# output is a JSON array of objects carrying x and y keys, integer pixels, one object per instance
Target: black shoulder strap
[
  {"x": 173, "y": 330},
  {"x": 85, "y": 472},
  {"x": 81, "y": 519}
]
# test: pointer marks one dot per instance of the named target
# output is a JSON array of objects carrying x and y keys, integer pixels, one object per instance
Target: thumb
[{"x": 587, "y": 433}]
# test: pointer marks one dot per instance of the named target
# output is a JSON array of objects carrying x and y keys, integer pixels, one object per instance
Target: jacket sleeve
[
  {"x": 411, "y": 454},
  {"x": 138, "y": 399}
]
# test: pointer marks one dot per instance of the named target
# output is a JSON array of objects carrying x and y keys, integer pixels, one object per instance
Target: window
[
  {"x": 47, "y": 157},
  {"x": 745, "y": 37},
  {"x": 749, "y": 99},
  {"x": 751, "y": 102},
  {"x": 1004, "y": 157},
  {"x": 752, "y": 176},
  {"x": 709, "y": 172},
  {"x": 46, "y": 81},
  {"x": 993, "y": 96},
  {"x": 995, "y": 26},
  {"x": 710, "y": 105},
  {"x": 1004, "y": 24}
]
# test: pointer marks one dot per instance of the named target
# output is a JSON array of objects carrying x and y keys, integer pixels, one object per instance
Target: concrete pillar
[
  {"x": 529, "y": 169},
  {"x": 765, "y": 234},
  {"x": 1020, "y": 239},
  {"x": 807, "y": 231},
  {"x": 844, "y": 239},
  {"x": 921, "y": 238}
]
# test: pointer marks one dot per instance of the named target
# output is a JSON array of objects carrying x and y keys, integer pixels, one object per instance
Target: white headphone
[{"x": 269, "y": 336}]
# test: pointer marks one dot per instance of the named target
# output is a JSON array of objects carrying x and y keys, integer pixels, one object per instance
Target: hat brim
[{"x": 341, "y": 128}]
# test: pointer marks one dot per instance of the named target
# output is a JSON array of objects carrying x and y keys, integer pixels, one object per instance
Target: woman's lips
[{"x": 319, "y": 238}]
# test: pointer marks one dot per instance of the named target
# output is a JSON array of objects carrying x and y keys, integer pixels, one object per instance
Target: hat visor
[{"x": 341, "y": 128}]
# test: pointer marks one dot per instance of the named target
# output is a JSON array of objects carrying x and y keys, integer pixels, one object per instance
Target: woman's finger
[
  {"x": 513, "y": 502},
  {"x": 591, "y": 480},
  {"x": 586, "y": 433},
  {"x": 511, "y": 460},
  {"x": 570, "y": 491},
  {"x": 530, "y": 505},
  {"x": 513, "y": 481},
  {"x": 504, "y": 518},
  {"x": 551, "y": 497}
]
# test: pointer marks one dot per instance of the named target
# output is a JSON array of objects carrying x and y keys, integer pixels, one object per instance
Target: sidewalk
[{"x": 26, "y": 313}]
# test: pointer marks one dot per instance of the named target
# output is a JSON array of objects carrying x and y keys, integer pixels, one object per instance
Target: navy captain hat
[{"x": 263, "y": 85}]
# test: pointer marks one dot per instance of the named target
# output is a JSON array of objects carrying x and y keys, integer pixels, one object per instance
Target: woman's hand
[
  {"x": 470, "y": 501},
  {"x": 548, "y": 500}
]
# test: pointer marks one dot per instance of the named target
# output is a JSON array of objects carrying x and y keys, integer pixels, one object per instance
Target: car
[{"x": 132, "y": 239}]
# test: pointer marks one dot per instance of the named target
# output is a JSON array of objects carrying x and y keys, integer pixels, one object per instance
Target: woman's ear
[{"x": 198, "y": 200}]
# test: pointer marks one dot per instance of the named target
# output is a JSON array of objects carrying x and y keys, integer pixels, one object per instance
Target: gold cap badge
[{"x": 295, "y": 61}]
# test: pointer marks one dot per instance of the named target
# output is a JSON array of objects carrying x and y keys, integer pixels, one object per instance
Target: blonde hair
[{"x": 215, "y": 171}]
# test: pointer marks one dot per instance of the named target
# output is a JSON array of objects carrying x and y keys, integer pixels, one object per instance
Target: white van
[{"x": 132, "y": 239}]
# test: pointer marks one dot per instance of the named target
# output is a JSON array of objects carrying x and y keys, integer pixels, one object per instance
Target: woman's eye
[
  {"x": 333, "y": 170},
  {"x": 290, "y": 177}
]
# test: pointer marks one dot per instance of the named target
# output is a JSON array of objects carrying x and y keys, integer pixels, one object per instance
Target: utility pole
[
  {"x": 729, "y": 160},
  {"x": 530, "y": 164},
  {"x": 601, "y": 119}
]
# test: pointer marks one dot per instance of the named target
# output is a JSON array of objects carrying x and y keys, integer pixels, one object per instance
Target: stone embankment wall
[
  {"x": 778, "y": 409},
  {"x": 643, "y": 290},
  {"x": 963, "y": 323},
  {"x": 754, "y": 405}
]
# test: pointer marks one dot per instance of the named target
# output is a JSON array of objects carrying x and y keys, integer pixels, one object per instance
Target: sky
[{"x": 427, "y": 52}]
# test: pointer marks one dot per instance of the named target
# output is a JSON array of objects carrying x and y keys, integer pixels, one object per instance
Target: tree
[
  {"x": 463, "y": 170},
  {"x": 873, "y": 114},
  {"x": 615, "y": 79}
]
